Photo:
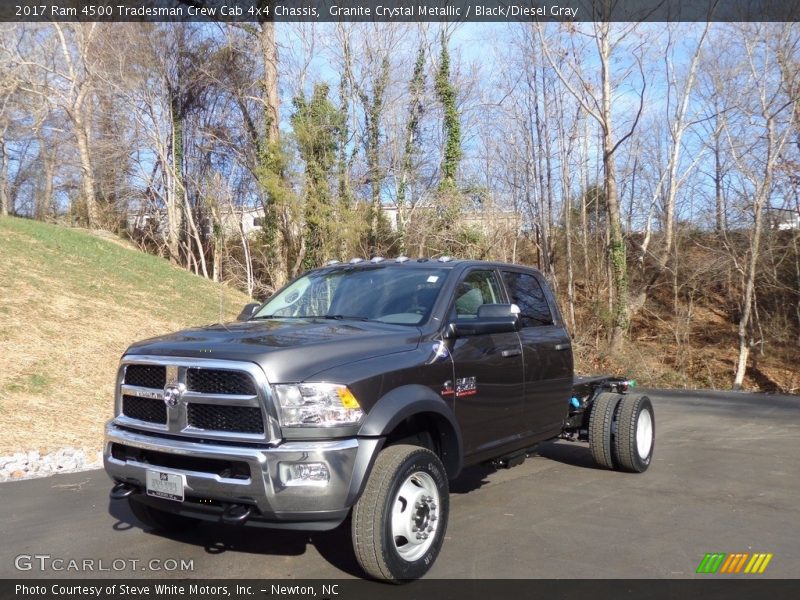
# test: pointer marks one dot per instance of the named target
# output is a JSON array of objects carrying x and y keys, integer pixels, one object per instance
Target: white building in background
[
  {"x": 251, "y": 219},
  {"x": 248, "y": 220},
  {"x": 486, "y": 221},
  {"x": 784, "y": 219}
]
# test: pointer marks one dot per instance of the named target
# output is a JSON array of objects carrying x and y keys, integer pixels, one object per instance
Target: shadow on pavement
[
  {"x": 334, "y": 546},
  {"x": 470, "y": 479},
  {"x": 568, "y": 453}
]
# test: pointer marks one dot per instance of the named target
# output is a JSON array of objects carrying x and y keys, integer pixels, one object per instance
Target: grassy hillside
[{"x": 70, "y": 303}]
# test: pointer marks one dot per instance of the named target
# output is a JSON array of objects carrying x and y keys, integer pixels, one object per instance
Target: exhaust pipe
[{"x": 122, "y": 490}]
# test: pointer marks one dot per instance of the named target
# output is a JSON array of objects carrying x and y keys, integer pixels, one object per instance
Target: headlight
[{"x": 317, "y": 405}]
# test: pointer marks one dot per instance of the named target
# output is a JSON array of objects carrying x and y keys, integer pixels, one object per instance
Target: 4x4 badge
[
  {"x": 465, "y": 386},
  {"x": 173, "y": 392}
]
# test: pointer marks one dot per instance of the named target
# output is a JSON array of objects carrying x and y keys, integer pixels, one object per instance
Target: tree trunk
[
  {"x": 796, "y": 248},
  {"x": 176, "y": 203},
  {"x": 269, "y": 54},
  {"x": 248, "y": 260},
  {"x": 543, "y": 229},
  {"x": 719, "y": 198},
  {"x": 4, "y": 197},
  {"x": 568, "y": 235},
  {"x": 44, "y": 200},
  {"x": 373, "y": 117},
  {"x": 762, "y": 194},
  {"x": 616, "y": 244},
  {"x": 201, "y": 255},
  {"x": 87, "y": 179}
]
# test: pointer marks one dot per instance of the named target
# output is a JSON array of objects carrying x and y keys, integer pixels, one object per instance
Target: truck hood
[{"x": 289, "y": 350}]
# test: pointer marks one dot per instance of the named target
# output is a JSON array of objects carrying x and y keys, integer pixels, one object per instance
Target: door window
[
  {"x": 527, "y": 293},
  {"x": 475, "y": 290}
]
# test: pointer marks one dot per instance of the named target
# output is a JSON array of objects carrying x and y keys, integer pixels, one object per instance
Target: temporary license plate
[{"x": 166, "y": 485}]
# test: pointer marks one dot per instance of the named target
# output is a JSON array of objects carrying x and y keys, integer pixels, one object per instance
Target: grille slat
[
  {"x": 144, "y": 409},
  {"x": 219, "y": 381},
  {"x": 236, "y": 419},
  {"x": 149, "y": 376}
]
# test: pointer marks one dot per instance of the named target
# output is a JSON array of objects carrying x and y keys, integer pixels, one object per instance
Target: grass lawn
[{"x": 70, "y": 303}]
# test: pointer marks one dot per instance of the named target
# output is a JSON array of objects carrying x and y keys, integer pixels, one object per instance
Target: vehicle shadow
[
  {"x": 471, "y": 478},
  {"x": 334, "y": 546},
  {"x": 568, "y": 453}
]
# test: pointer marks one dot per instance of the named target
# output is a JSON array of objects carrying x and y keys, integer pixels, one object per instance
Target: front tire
[
  {"x": 400, "y": 520},
  {"x": 636, "y": 434}
]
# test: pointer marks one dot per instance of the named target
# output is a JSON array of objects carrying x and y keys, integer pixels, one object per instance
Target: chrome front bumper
[{"x": 348, "y": 461}]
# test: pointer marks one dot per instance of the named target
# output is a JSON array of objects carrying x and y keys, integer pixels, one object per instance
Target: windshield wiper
[
  {"x": 332, "y": 317},
  {"x": 345, "y": 318}
]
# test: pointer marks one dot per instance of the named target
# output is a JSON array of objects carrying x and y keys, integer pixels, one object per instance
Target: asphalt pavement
[{"x": 725, "y": 478}]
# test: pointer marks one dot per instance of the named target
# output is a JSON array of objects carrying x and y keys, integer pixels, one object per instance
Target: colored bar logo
[{"x": 735, "y": 563}]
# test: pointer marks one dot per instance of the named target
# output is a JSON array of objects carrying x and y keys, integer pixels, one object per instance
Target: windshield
[{"x": 403, "y": 296}]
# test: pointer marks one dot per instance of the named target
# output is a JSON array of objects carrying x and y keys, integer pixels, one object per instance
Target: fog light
[{"x": 311, "y": 474}]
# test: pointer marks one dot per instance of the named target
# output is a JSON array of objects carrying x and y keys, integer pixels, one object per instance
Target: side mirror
[
  {"x": 498, "y": 311},
  {"x": 491, "y": 318},
  {"x": 248, "y": 311}
]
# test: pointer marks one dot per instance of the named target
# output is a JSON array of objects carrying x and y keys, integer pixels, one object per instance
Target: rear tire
[
  {"x": 160, "y": 520},
  {"x": 636, "y": 434},
  {"x": 400, "y": 519},
  {"x": 600, "y": 433}
]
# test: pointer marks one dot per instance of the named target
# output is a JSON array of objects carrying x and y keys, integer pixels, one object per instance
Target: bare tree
[
  {"x": 608, "y": 39},
  {"x": 669, "y": 182},
  {"x": 770, "y": 113}
]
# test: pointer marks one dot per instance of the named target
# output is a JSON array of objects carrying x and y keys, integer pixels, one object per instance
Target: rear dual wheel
[
  {"x": 636, "y": 434},
  {"x": 622, "y": 432}
]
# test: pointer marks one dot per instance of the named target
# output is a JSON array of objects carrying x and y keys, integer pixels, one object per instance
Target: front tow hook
[
  {"x": 236, "y": 513},
  {"x": 122, "y": 490}
]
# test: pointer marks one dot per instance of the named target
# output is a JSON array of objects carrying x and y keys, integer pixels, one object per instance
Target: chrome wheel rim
[
  {"x": 415, "y": 516},
  {"x": 644, "y": 434}
]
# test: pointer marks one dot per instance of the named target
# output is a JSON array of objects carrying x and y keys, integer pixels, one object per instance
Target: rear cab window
[{"x": 526, "y": 292}]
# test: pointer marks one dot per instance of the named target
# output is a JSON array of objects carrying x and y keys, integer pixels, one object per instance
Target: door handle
[
  {"x": 510, "y": 353},
  {"x": 563, "y": 346}
]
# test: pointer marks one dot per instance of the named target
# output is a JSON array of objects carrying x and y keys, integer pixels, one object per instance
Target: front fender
[{"x": 407, "y": 401}]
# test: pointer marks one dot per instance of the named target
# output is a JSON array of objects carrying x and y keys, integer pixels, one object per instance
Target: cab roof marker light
[
  {"x": 401, "y": 259},
  {"x": 376, "y": 259},
  {"x": 444, "y": 258},
  {"x": 356, "y": 260},
  {"x": 332, "y": 262}
]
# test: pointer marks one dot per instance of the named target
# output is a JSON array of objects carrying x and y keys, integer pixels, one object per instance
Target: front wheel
[{"x": 401, "y": 518}]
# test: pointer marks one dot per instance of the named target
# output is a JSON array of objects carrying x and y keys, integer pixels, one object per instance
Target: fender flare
[{"x": 406, "y": 401}]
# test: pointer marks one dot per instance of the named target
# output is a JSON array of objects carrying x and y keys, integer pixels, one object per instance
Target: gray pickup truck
[{"x": 359, "y": 390}]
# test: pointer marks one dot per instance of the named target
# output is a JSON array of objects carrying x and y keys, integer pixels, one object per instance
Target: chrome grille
[
  {"x": 208, "y": 399},
  {"x": 242, "y": 419},
  {"x": 144, "y": 409},
  {"x": 149, "y": 376},
  {"x": 219, "y": 381}
]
